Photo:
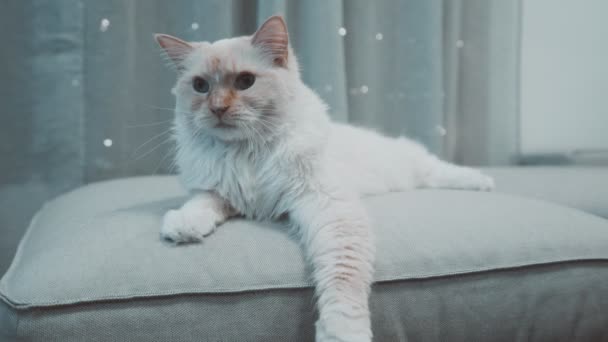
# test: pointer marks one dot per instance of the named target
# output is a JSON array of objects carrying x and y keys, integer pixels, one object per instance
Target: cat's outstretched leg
[
  {"x": 441, "y": 174},
  {"x": 337, "y": 240},
  {"x": 197, "y": 218}
]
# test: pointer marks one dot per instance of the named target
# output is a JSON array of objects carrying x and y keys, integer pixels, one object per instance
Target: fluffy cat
[{"x": 253, "y": 140}]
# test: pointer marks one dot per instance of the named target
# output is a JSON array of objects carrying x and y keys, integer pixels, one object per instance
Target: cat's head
[{"x": 237, "y": 88}]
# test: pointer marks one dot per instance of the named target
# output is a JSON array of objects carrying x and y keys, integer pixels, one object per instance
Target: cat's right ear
[
  {"x": 273, "y": 39},
  {"x": 174, "y": 48}
]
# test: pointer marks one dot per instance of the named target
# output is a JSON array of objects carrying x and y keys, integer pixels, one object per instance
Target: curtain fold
[
  {"x": 408, "y": 66},
  {"x": 314, "y": 30},
  {"x": 481, "y": 68},
  {"x": 41, "y": 110}
]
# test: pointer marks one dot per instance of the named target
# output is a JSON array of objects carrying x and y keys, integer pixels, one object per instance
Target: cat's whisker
[
  {"x": 148, "y": 124},
  {"x": 133, "y": 158},
  {"x": 265, "y": 143},
  {"x": 268, "y": 125},
  {"x": 152, "y": 150},
  {"x": 172, "y": 110},
  {"x": 173, "y": 163},
  {"x": 150, "y": 140},
  {"x": 197, "y": 132},
  {"x": 167, "y": 154},
  {"x": 268, "y": 129},
  {"x": 262, "y": 132},
  {"x": 255, "y": 138},
  {"x": 267, "y": 120}
]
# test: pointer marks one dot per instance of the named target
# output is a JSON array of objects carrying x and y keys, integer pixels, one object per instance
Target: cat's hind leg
[{"x": 444, "y": 175}]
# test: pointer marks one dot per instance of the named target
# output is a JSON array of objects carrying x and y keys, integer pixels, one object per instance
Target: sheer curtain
[{"x": 85, "y": 95}]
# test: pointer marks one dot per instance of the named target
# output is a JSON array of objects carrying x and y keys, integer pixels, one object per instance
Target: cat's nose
[{"x": 218, "y": 111}]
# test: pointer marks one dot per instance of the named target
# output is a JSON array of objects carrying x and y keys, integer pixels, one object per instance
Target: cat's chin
[
  {"x": 226, "y": 132},
  {"x": 223, "y": 125}
]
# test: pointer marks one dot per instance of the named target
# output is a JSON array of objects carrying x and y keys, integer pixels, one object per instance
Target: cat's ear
[
  {"x": 273, "y": 40},
  {"x": 176, "y": 49}
]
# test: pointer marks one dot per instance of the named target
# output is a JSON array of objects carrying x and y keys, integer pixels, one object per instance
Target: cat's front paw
[{"x": 182, "y": 226}]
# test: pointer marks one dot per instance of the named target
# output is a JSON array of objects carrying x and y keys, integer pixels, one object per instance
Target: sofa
[{"x": 527, "y": 262}]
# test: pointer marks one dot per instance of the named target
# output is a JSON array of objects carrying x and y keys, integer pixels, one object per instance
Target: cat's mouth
[{"x": 224, "y": 125}]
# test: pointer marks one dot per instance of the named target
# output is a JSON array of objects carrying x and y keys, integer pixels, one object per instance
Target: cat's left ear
[
  {"x": 176, "y": 49},
  {"x": 273, "y": 40}
]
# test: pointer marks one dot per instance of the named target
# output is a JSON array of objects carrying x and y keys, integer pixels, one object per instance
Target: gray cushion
[
  {"x": 579, "y": 187},
  {"x": 455, "y": 264}
]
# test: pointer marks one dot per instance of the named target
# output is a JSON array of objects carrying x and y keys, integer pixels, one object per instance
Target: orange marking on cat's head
[
  {"x": 230, "y": 97},
  {"x": 214, "y": 64},
  {"x": 233, "y": 67},
  {"x": 224, "y": 98}
]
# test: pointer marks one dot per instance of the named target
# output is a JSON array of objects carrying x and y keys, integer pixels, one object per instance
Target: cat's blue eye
[
  {"x": 244, "y": 80},
  {"x": 200, "y": 85}
]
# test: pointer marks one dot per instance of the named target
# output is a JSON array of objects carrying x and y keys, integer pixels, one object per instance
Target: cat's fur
[{"x": 284, "y": 157}]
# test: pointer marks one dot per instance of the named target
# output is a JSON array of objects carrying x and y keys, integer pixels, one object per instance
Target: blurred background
[{"x": 85, "y": 96}]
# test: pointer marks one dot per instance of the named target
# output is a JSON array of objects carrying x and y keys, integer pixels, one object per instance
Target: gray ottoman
[{"x": 451, "y": 266}]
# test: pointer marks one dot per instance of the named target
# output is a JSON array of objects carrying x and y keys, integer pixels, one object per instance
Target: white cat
[{"x": 253, "y": 140}]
